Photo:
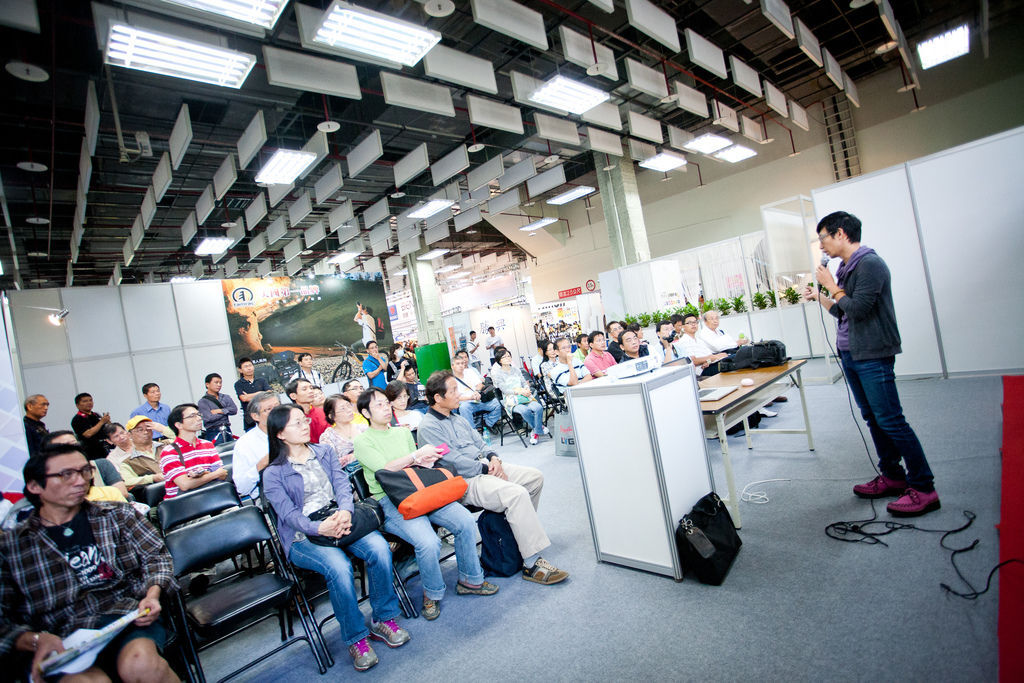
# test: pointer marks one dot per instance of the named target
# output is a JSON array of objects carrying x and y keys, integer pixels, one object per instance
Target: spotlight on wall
[{"x": 56, "y": 318}]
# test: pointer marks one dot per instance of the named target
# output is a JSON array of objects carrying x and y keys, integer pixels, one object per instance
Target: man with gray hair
[
  {"x": 252, "y": 449},
  {"x": 717, "y": 339},
  {"x": 36, "y": 407}
]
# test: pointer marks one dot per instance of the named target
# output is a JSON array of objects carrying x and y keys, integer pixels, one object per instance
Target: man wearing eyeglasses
[
  {"x": 252, "y": 450},
  {"x": 189, "y": 462},
  {"x": 72, "y": 565},
  {"x": 704, "y": 359}
]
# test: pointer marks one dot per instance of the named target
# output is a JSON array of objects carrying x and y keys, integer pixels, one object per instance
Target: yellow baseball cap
[{"x": 134, "y": 422}]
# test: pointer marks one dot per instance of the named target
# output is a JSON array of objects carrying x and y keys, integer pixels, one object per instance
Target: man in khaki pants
[{"x": 493, "y": 485}]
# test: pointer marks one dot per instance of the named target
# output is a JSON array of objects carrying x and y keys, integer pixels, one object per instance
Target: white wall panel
[
  {"x": 201, "y": 361},
  {"x": 37, "y": 340},
  {"x": 969, "y": 204},
  {"x": 882, "y": 202},
  {"x": 200, "y": 308},
  {"x": 111, "y": 382},
  {"x": 54, "y": 381},
  {"x": 166, "y": 368},
  {"x": 98, "y": 328}
]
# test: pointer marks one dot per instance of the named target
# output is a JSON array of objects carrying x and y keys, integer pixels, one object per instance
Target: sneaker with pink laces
[
  {"x": 363, "y": 656},
  {"x": 880, "y": 487},
  {"x": 914, "y": 503}
]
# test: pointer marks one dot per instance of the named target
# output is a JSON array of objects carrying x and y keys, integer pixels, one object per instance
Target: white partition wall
[
  {"x": 949, "y": 226},
  {"x": 971, "y": 210},
  {"x": 115, "y": 339},
  {"x": 883, "y": 204}
]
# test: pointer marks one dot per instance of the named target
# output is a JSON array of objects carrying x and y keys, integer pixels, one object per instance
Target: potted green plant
[
  {"x": 629, "y": 319},
  {"x": 690, "y": 309},
  {"x": 759, "y": 300},
  {"x": 723, "y": 305},
  {"x": 644, "y": 319},
  {"x": 772, "y": 300},
  {"x": 707, "y": 306},
  {"x": 791, "y": 296},
  {"x": 738, "y": 304}
]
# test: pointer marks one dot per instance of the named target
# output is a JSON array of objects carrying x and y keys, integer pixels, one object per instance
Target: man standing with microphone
[{"x": 868, "y": 340}]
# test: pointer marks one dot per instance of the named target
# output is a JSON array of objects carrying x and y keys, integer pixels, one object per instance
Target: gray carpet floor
[{"x": 796, "y": 605}]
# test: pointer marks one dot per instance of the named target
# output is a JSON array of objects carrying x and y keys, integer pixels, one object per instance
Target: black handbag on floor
[
  {"x": 367, "y": 516},
  {"x": 707, "y": 540}
]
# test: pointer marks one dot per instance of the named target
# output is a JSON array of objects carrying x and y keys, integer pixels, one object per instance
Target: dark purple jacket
[{"x": 283, "y": 487}]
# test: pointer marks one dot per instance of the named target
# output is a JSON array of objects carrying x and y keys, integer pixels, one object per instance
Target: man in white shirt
[
  {"x": 492, "y": 342},
  {"x": 252, "y": 450},
  {"x": 568, "y": 371},
  {"x": 470, "y": 383},
  {"x": 717, "y": 339},
  {"x": 704, "y": 358},
  {"x": 472, "y": 346}
]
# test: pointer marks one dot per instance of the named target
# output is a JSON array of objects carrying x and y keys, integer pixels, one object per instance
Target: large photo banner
[{"x": 272, "y": 320}]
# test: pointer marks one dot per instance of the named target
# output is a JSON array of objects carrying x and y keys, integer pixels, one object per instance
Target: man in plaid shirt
[{"x": 74, "y": 564}]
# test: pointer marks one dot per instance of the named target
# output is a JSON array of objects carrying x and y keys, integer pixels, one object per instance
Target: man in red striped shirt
[{"x": 189, "y": 462}]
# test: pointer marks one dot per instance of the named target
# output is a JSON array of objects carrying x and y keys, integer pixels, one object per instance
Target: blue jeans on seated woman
[
  {"x": 491, "y": 410},
  {"x": 533, "y": 415},
  {"x": 335, "y": 566},
  {"x": 421, "y": 535}
]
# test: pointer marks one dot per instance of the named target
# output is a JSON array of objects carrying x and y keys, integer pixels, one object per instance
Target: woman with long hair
[
  {"x": 312, "y": 497},
  {"x": 517, "y": 395},
  {"x": 340, "y": 413}
]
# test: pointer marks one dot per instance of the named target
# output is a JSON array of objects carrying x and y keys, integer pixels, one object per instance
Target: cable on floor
[{"x": 757, "y": 497}]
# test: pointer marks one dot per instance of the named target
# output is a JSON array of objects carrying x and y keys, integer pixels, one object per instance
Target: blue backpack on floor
[{"x": 499, "y": 552}]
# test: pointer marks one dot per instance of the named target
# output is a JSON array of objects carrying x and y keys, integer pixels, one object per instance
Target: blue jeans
[
  {"x": 335, "y": 566},
  {"x": 873, "y": 384},
  {"x": 491, "y": 410},
  {"x": 533, "y": 415},
  {"x": 421, "y": 535}
]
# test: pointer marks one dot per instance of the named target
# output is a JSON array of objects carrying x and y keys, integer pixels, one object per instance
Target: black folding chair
[
  {"x": 206, "y": 500},
  {"x": 509, "y": 419},
  {"x": 232, "y": 606}
]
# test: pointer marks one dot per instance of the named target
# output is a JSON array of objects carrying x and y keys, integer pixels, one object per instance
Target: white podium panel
[{"x": 644, "y": 463}]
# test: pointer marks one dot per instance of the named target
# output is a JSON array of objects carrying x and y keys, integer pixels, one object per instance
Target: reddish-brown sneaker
[
  {"x": 914, "y": 503},
  {"x": 880, "y": 487}
]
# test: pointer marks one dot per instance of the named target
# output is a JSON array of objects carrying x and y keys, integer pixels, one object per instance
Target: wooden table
[{"x": 740, "y": 404}]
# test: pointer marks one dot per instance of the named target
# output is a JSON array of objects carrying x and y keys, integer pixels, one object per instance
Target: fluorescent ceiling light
[
  {"x": 735, "y": 153},
  {"x": 377, "y": 35},
  {"x": 664, "y": 162},
  {"x": 284, "y": 167},
  {"x": 944, "y": 47},
  {"x": 447, "y": 269},
  {"x": 432, "y": 254},
  {"x": 213, "y": 245},
  {"x": 182, "y": 278},
  {"x": 564, "y": 93},
  {"x": 538, "y": 224},
  {"x": 158, "y": 53},
  {"x": 430, "y": 208},
  {"x": 574, "y": 193},
  {"x": 709, "y": 143},
  {"x": 343, "y": 256},
  {"x": 263, "y": 13}
]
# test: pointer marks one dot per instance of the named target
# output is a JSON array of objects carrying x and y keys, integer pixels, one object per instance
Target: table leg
[
  {"x": 746, "y": 433},
  {"x": 803, "y": 404},
  {"x": 733, "y": 502}
]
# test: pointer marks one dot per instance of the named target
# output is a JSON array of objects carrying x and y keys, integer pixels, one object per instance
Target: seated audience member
[
  {"x": 340, "y": 412},
  {"x": 353, "y": 389},
  {"x": 582, "y": 348},
  {"x": 635, "y": 327},
  {"x": 677, "y": 326},
  {"x": 539, "y": 357},
  {"x": 704, "y": 358},
  {"x": 156, "y": 411},
  {"x": 250, "y": 454},
  {"x": 416, "y": 390},
  {"x": 107, "y": 484},
  {"x": 189, "y": 462},
  {"x": 550, "y": 361},
  {"x": 303, "y": 483},
  {"x": 301, "y": 392},
  {"x": 663, "y": 333},
  {"x": 516, "y": 393},
  {"x": 392, "y": 448},
  {"x": 398, "y": 394},
  {"x": 567, "y": 371},
  {"x": 246, "y": 388},
  {"x": 375, "y": 365},
  {"x": 513, "y": 490},
  {"x": 319, "y": 397},
  {"x": 306, "y": 371},
  {"x": 87, "y": 425},
  {"x": 116, "y": 436},
  {"x": 598, "y": 360},
  {"x": 613, "y": 330},
  {"x": 215, "y": 408},
  {"x": 717, "y": 339},
  {"x": 396, "y": 359},
  {"x": 36, "y": 407},
  {"x": 72, "y": 565},
  {"x": 470, "y": 384},
  {"x": 140, "y": 465}
]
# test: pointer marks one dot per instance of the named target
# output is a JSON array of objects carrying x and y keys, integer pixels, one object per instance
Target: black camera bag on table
[
  {"x": 707, "y": 540},
  {"x": 762, "y": 354}
]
